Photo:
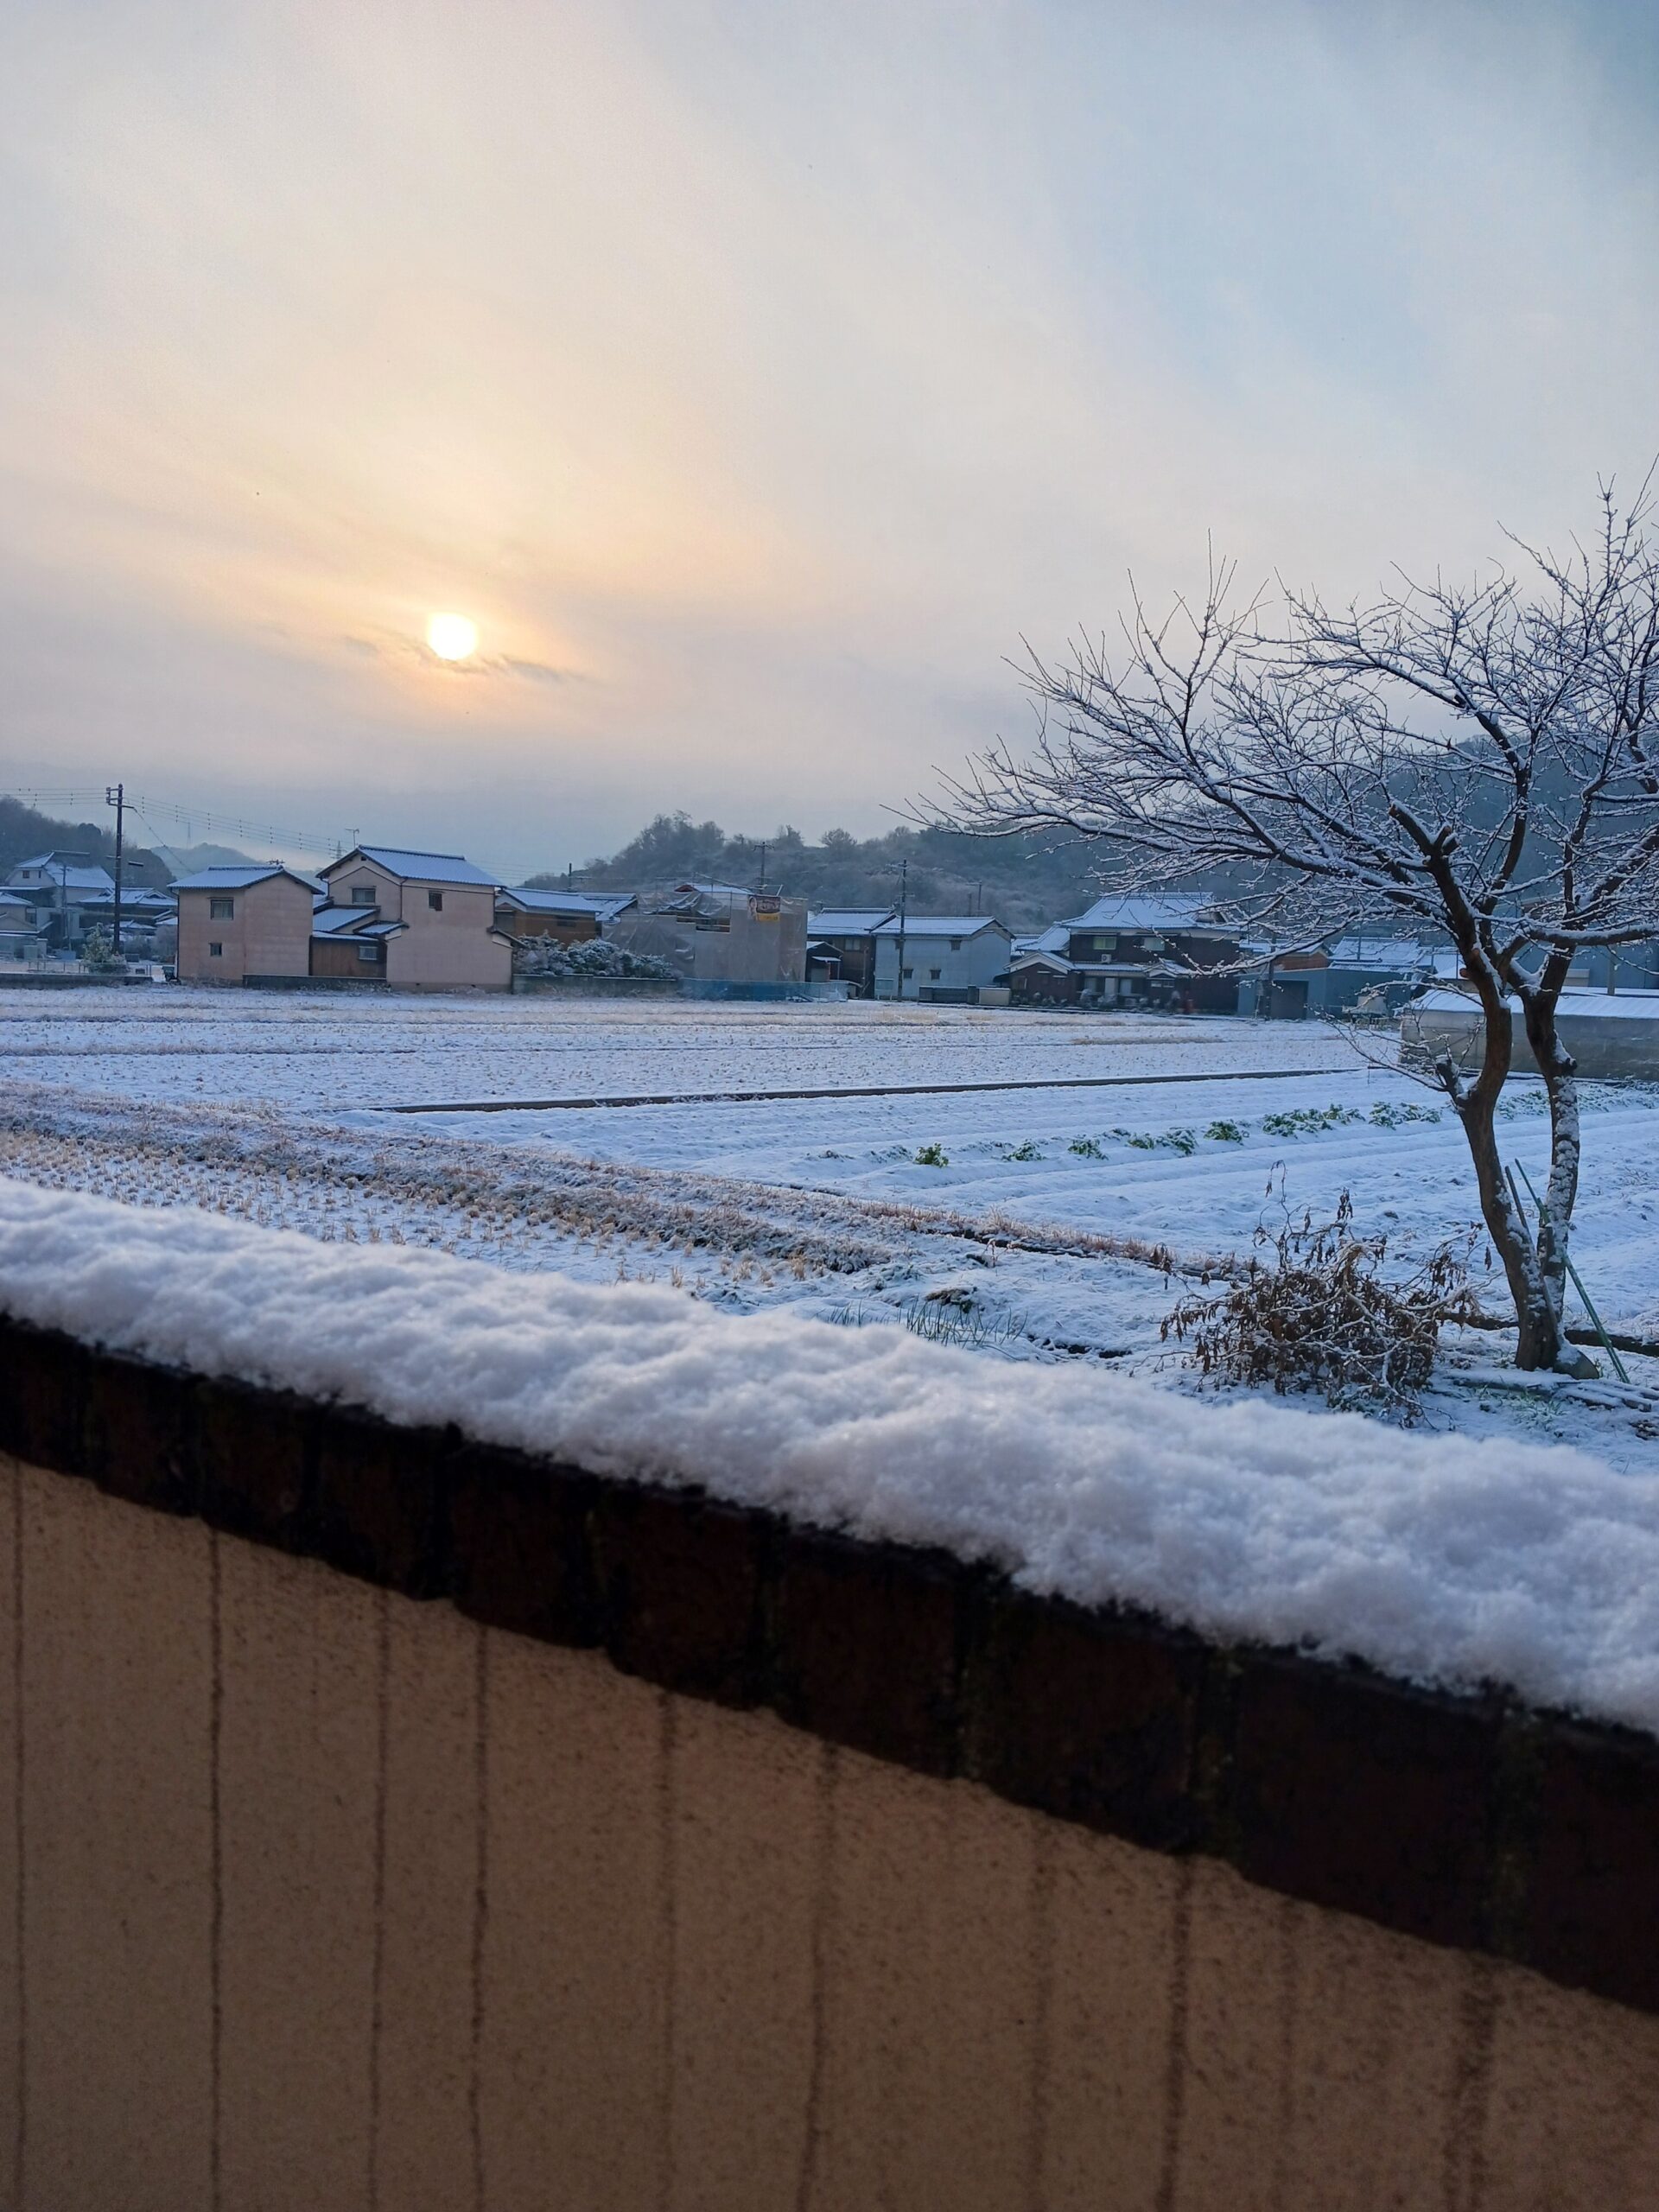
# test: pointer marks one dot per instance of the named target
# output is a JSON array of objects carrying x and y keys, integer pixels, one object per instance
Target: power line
[{"x": 193, "y": 819}]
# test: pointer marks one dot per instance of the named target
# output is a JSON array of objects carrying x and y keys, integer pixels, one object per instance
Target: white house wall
[{"x": 975, "y": 964}]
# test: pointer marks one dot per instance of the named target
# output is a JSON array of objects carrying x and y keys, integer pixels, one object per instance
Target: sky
[{"x": 755, "y": 377}]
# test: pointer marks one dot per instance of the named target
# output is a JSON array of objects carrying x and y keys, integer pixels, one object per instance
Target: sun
[{"x": 452, "y": 637}]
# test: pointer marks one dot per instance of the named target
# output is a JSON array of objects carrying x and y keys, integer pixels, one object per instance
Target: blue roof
[{"x": 416, "y": 867}]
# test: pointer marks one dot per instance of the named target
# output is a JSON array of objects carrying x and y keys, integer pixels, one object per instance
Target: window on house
[
  {"x": 364, "y": 894},
  {"x": 368, "y": 952},
  {"x": 933, "y": 975},
  {"x": 435, "y": 900},
  {"x": 215, "y": 949},
  {"x": 909, "y": 972},
  {"x": 956, "y": 944},
  {"x": 221, "y": 910}
]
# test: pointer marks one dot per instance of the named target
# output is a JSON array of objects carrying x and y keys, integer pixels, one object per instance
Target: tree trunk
[
  {"x": 1540, "y": 1343},
  {"x": 1559, "y": 1071}
]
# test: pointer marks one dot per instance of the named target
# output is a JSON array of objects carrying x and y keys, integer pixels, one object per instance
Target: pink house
[{"x": 417, "y": 921}]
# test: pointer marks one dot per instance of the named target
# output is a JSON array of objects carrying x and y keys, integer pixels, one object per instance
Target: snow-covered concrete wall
[
  {"x": 310, "y": 1894},
  {"x": 1613, "y": 1038},
  {"x": 1438, "y": 1559}
]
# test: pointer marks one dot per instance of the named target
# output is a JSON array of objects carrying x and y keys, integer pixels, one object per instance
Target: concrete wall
[
  {"x": 1617, "y": 1046},
  {"x": 313, "y": 1897},
  {"x": 269, "y": 933}
]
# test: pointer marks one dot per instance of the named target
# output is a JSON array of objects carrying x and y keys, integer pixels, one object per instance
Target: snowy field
[{"x": 1057, "y": 1223}]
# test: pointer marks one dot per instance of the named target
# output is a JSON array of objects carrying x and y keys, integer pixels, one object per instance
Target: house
[
  {"x": 719, "y": 934},
  {"x": 22, "y": 934},
  {"x": 417, "y": 921},
  {"x": 1335, "y": 978},
  {"x": 235, "y": 923},
  {"x": 940, "y": 959},
  {"x": 566, "y": 917},
  {"x": 1131, "y": 952},
  {"x": 142, "y": 913},
  {"x": 60, "y": 887},
  {"x": 841, "y": 945}
]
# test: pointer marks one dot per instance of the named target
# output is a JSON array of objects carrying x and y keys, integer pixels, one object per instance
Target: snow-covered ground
[{"x": 1035, "y": 1224}]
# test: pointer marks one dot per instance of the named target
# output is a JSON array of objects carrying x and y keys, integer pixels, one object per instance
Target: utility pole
[
  {"x": 115, "y": 795},
  {"x": 904, "y": 900},
  {"x": 762, "y": 884}
]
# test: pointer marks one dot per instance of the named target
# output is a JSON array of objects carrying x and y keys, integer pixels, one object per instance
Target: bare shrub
[{"x": 1313, "y": 1313}]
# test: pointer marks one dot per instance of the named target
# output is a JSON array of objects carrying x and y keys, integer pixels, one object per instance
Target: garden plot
[
  {"x": 325, "y": 1052},
  {"x": 1053, "y": 1224}
]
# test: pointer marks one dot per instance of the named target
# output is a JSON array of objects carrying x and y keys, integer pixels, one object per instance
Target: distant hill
[
  {"x": 186, "y": 860},
  {"x": 24, "y": 831},
  {"x": 1023, "y": 881}
]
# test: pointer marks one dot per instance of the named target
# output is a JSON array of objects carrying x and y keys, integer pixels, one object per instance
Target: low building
[
  {"x": 235, "y": 923},
  {"x": 564, "y": 917},
  {"x": 718, "y": 934},
  {"x": 1161, "y": 953},
  {"x": 142, "y": 913},
  {"x": 348, "y": 945},
  {"x": 841, "y": 945},
  {"x": 1349, "y": 975},
  {"x": 940, "y": 959},
  {"x": 60, "y": 887},
  {"x": 428, "y": 922},
  {"x": 22, "y": 933}
]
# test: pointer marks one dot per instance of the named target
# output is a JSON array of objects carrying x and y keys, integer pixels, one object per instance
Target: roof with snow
[
  {"x": 603, "y": 906},
  {"x": 236, "y": 879},
  {"x": 413, "y": 868},
  {"x": 1150, "y": 914},
  {"x": 1054, "y": 939},
  {"x": 1392, "y": 953},
  {"x": 67, "y": 872},
  {"x": 728, "y": 892},
  {"x": 938, "y": 926},
  {"x": 340, "y": 921},
  {"x": 847, "y": 921}
]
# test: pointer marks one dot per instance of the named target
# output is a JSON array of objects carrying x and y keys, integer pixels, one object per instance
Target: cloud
[{"x": 754, "y": 376}]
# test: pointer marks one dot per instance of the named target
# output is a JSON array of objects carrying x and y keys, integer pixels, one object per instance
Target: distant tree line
[
  {"x": 25, "y": 831},
  {"x": 1023, "y": 881}
]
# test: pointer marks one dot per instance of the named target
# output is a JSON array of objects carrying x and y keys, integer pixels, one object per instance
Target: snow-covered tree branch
[{"x": 1478, "y": 758}]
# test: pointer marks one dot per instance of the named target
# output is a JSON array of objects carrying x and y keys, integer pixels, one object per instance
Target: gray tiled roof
[{"x": 416, "y": 867}]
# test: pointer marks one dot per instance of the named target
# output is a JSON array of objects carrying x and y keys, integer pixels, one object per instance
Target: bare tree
[{"x": 1479, "y": 758}]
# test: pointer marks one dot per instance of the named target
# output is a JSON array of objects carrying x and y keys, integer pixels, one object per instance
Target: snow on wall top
[
  {"x": 1441, "y": 1559},
  {"x": 1600, "y": 1006}
]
